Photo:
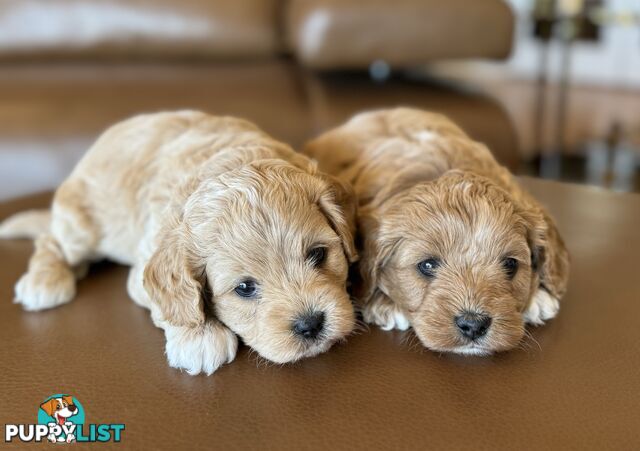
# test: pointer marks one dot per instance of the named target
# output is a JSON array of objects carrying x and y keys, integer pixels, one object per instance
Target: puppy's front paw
[
  {"x": 71, "y": 438},
  {"x": 43, "y": 289},
  {"x": 543, "y": 307},
  {"x": 385, "y": 314},
  {"x": 200, "y": 349}
]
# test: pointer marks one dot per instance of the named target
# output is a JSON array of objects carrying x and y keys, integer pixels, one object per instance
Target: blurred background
[{"x": 551, "y": 86}]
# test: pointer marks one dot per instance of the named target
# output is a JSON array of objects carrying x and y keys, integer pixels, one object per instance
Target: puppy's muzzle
[
  {"x": 473, "y": 325},
  {"x": 309, "y": 325}
]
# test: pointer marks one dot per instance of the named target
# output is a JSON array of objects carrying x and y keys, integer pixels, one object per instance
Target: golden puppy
[
  {"x": 451, "y": 244},
  {"x": 227, "y": 231}
]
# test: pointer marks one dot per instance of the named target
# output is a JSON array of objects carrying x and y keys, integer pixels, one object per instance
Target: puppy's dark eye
[
  {"x": 510, "y": 266},
  {"x": 246, "y": 289},
  {"x": 428, "y": 267},
  {"x": 317, "y": 255}
]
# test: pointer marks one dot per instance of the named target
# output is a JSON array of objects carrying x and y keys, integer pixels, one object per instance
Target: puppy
[
  {"x": 452, "y": 246},
  {"x": 61, "y": 409},
  {"x": 226, "y": 230}
]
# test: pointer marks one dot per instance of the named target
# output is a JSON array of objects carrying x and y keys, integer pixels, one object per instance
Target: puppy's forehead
[
  {"x": 266, "y": 219},
  {"x": 460, "y": 225},
  {"x": 261, "y": 222},
  {"x": 284, "y": 226},
  {"x": 268, "y": 244}
]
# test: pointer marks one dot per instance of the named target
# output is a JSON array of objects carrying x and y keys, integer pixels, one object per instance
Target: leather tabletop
[{"x": 575, "y": 384}]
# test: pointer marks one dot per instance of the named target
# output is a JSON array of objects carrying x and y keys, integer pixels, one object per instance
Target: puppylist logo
[{"x": 61, "y": 419}]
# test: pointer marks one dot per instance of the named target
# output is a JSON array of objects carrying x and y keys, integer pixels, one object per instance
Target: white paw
[
  {"x": 543, "y": 307},
  {"x": 200, "y": 349},
  {"x": 39, "y": 290},
  {"x": 386, "y": 315},
  {"x": 71, "y": 438}
]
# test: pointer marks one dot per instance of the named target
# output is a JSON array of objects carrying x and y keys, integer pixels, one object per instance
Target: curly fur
[
  {"x": 195, "y": 204},
  {"x": 425, "y": 189}
]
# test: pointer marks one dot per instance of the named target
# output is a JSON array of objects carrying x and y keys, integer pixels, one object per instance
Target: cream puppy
[
  {"x": 452, "y": 246},
  {"x": 226, "y": 230}
]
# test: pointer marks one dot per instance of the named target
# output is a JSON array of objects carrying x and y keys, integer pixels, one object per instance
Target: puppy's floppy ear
[
  {"x": 49, "y": 406},
  {"x": 549, "y": 255},
  {"x": 173, "y": 279},
  {"x": 338, "y": 203},
  {"x": 68, "y": 399},
  {"x": 379, "y": 246}
]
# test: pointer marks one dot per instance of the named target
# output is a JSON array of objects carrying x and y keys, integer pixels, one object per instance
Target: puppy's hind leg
[
  {"x": 49, "y": 281},
  {"x": 61, "y": 255}
]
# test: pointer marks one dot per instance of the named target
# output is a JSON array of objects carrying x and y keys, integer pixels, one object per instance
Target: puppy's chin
[
  {"x": 295, "y": 351},
  {"x": 467, "y": 349},
  {"x": 315, "y": 348},
  {"x": 449, "y": 340},
  {"x": 472, "y": 349},
  {"x": 282, "y": 345}
]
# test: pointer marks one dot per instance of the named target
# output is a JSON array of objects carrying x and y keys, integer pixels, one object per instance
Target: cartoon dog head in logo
[{"x": 60, "y": 408}]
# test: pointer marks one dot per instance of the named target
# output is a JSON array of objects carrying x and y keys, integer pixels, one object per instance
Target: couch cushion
[
  {"x": 330, "y": 34},
  {"x": 50, "y": 115},
  {"x": 161, "y": 28}
]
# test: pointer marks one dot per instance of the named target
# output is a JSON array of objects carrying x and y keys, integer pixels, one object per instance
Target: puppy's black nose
[
  {"x": 72, "y": 408},
  {"x": 473, "y": 325},
  {"x": 309, "y": 325}
]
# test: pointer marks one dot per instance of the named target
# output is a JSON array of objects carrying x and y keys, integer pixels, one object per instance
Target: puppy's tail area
[{"x": 26, "y": 224}]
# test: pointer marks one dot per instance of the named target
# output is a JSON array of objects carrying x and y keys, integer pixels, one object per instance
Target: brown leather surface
[
  {"x": 574, "y": 385},
  {"x": 138, "y": 28},
  {"x": 50, "y": 114},
  {"x": 328, "y": 34}
]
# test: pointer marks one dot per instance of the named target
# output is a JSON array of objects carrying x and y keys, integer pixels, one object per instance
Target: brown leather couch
[{"x": 68, "y": 68}]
